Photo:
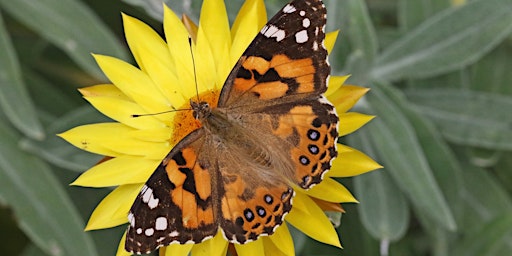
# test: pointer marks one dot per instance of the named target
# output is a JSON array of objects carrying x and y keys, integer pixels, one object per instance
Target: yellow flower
[{"x": 163, "y": 81}]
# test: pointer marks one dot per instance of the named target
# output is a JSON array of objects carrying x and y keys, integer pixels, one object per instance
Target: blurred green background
[{"x": 441, "y": 78}]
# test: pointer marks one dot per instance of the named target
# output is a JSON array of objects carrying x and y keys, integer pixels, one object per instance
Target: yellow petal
[
  {"x": 351, "y": 121},
  {"x": 215, "y": 26},
  {"x": 83, "y": 137},
  {"x": 113, "y": 209},
  {"x": 117, "y": 138},
  {"x": 281, "y": 241},
  {"x": 249, "y": 21},
  {"x": 118, "y": 171},
  {"x": 311, "y": 220},
  {"x": 135, "y": 84},
  {"x": 104, "y": 90},
  {"x": 178, "y": 37},
  {"x": 120, "y": 249},
  {"x": 331, "y": 191},
  {"x": 153, "y": 56},
  {"x": 205, "y": 63},
  {"x": 153, "y": 135},
  {"x": 346, "y": 96},
  {"x": 334, "y": 83},
  {"x": 177, "y": 249},
  {"x": 330, "y": 40},
  {"x": 123, "y": 111},
  {"x": 351, "y": 162},
  {"x": 250, "y": 249},
  {"x": 215, "y": 246}
]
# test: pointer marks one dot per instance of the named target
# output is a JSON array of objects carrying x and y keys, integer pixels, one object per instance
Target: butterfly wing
[
  {"x": 198, "y": 188},
  {"x": 279, "y": 82},
  {"x": 286, "y": 61},
  {"x": 175, "y": 205}
]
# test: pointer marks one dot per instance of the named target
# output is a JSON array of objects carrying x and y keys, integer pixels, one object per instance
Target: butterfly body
[{"x": 271, "y": 131}]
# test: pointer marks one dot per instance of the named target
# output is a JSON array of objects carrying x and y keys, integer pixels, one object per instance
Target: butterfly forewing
[{"x": 287, "y": 60}]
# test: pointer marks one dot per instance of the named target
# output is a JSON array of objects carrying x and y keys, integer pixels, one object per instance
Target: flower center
[{"x": 184, "y": 122}]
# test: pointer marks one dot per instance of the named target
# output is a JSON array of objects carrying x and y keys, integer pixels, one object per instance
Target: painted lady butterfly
[{"x": 272, "y": 130}]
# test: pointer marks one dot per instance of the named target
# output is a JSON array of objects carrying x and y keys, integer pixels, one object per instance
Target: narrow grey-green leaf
[
  {"x": 468, "y": 117},
  {"x": 483, "y": 195},
  {"x": 32, "y": 250},
  {"x": 489, "y": 238},
  {"x": 361, "y": 32},
  {"x": 57, "y": 151},
  {"x": 383, "y": 210},
  {"x": 71, "y": 26},
  {"x": 362, "y": 37},
  {"x": 413, "y": 12},
  {"x": 14, "y": 99},
  {"x": 492, "y": 73},
  {"x": 403, "y": 157},
  {"x": 447, "y": 41},
  {"x": 43, "y": 210},
  {"x": 442, "y": 161}
]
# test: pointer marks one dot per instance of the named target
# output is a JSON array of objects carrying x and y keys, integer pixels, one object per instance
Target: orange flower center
[{"x": 185, "y": 123}]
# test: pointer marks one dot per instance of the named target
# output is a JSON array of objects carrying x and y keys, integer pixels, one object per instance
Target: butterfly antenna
[
  {"x": 159, "y": 113},
  {"x": 193, "y": 66}
]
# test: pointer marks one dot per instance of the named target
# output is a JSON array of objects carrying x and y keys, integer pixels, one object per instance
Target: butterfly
[{"x": 272, "y": 132}]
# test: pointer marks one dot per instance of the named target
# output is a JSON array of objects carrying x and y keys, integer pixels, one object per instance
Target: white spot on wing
[
  {"x": 153, "y": 202},
  {"x": 147, "y": 193},
  {"x": 149, "y": 232},
  {"x": 301, "y": 36},
  {"x": 139, "y": 231},
  {"x": 289, "y": 8},
  {"x": 131, "y": 219},
  {"x": 174, "y": 233},
  {"x": 273, "y": 31},
  {"x": 161, "y": 223},
  {"x": 302, "y": 13},
  {"x": 306, "y": 22}
]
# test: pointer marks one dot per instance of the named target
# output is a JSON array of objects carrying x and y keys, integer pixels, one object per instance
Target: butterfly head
[{"x": 201, "y": 110}]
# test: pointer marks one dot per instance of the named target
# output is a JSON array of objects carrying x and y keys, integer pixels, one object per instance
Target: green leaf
[
  {"x": 57, "y": 151},
  {"x": 363, "y": 39},
  {"x": 383, "y": 208},
  {"x": 71, "y": 26},
  {"x": 468, "y": 117},
  {"x": 492, "y": 73},
  {"x": 447, "y": 41},
  {"x": 443, "y": 163},
  {"x": 489, "y": 238},
  {"x": 399, "y": 149},
  {"x": 32, "y": 250},
  {"x": 413, "y": 12},
  {"x": 483, "y": 196},
  {"x": 14, "y": 99},
  {"x": 43, "y": 209}
]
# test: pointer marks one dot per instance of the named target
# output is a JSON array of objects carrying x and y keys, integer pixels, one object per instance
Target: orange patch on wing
[
  {"x": 296, "y": 68},
  {"x": 203, "y": 182},
  {"x": 306, "y": 83},
  {"x": 188, "y": 208},
  {"x": 279, "y": 59},
  {"x": 271, "y": 90},
  {"x": 174, "y": 175},
  {"x": 242, "y": 85},
  {"x": 256, "y": 63}
]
